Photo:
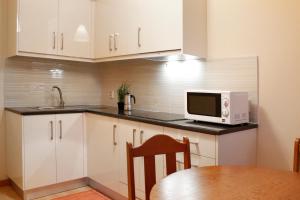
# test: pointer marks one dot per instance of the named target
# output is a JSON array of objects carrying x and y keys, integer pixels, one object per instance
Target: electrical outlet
[{"x": 112, "y": 94}]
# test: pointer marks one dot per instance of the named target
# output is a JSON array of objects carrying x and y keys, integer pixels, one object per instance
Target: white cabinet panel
[
  {"x": 102, "y": 149},
  {"x": 111, "y": 28},
  {"x": 128, "y": 132},
  {"x": 146, "y": 132},
  {"x": 201, "y": 144},
  {"x": 37, "y": 30},
  {"x": 39, "y": 151},
  {"x": 160, "y": 24},
  {"x": 75, "y": 21},
  {"x": 69, "y": 147}
]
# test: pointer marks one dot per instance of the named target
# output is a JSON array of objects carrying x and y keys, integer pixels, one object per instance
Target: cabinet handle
[
  {"x": 179, "y": 163},
  {"x": 141, "y": 137},
  {"x": 195, "y": 143},
  {"x": 51, "y": 127},
  {"x": 133, "y": 137},
  {"x": 54, "y": 40},
  {"x": 139, "y": 36},
  {"x": 114, "y": 135},
  {"x": 116, "y": 35},
  {"x": 62, "y": 42},
  {"x": 110, "y": 42},
  {"x": 60, "y": 129}
]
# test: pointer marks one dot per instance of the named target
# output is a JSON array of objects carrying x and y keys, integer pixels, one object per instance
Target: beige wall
[
  {"x": 269, "y": 29},
  {"x": 2, "y": 55}
]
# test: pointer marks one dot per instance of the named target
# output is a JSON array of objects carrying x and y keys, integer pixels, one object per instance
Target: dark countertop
[{"x": 162, "y": 119}]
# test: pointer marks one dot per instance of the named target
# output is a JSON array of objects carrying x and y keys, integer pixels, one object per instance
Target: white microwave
[{"x": 223, "y": 107}]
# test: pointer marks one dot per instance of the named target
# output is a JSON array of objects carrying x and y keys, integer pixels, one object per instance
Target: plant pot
[{"x": 121, "y": 106}]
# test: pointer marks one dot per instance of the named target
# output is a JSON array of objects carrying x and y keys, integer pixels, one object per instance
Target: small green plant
[{"x": 122, "y": 91}]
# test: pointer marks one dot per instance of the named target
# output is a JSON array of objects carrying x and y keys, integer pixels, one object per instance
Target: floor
[{"x": 6, "y": 193}]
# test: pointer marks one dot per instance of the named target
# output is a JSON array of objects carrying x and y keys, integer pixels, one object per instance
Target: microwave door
[{"x": 204, "y": 104}]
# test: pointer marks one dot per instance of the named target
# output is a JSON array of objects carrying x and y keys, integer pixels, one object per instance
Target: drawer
[
  {"x": 196, "y": 161},
  {"x": 200, "y": 144}
]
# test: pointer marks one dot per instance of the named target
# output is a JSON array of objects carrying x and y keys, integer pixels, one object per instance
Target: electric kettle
[{"x": 129, "y": 100}]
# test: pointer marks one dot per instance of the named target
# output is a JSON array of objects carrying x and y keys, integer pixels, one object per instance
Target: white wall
[
  {"x": 2, "y": 55},
  {"x": 269, "y": 29}
]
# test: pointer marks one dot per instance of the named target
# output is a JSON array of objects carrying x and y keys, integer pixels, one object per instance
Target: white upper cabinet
[
  {"x": 37, "y": 28},
  {"x": 157, "y": 27},
  {"x": 75, "y": 19},
  {"x": 59, "y": 29},
  {"x": 111, "y": 28},
  {"x": 106, "y": 30}
]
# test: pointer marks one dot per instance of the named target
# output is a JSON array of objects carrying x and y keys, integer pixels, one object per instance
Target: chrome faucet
[{"x": 61, "y": 101}]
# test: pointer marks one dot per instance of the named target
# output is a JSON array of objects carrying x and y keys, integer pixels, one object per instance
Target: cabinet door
[
  {"x": 37, "y": 30},
  {"x": 111, "y": 27},
  {"x": 39, "y": 151},
  {"x": 146, "y": 132},
  {"x": 103, "y": 150},
  {"x": 158, "y": 27},
  {"x": 75, "y": 22},
  {"x": 104, "y": 28},
  {"x": 128, "y": 132},
  {"x": 69, "y": 146}
]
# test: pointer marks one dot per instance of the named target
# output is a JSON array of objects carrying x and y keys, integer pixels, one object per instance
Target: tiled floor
[{"x": 6, "y": 193}]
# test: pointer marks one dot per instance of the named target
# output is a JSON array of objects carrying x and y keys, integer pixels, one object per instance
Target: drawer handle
[
  {"x": 180, "y": 162},
  {"x": 114, "y": 135},
  {"x": 195, "y": 143}
]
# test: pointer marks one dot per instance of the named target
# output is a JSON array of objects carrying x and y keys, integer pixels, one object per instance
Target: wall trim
[{"x": 4, "y": 183}]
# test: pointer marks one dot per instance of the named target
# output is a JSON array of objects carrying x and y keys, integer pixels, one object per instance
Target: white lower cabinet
[
  {"x": 39, "y": 151},
  {"x": 69, "y": 147},
  {"x": 103, "y": 150},
  {"x": 51, "y": 149}
]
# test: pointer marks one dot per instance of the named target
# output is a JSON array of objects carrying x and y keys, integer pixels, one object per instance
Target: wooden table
[{"x": 228, "y": 183}]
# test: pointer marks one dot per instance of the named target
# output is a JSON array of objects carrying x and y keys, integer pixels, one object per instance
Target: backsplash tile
[
  {"x": 160, "y": 86},
  {"x": 28, "y": 82}
]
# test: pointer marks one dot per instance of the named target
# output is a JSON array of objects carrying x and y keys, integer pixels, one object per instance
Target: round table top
[{"x": 228, "y": 183}]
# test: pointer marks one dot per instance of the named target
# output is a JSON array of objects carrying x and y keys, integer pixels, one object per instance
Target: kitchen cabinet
[
  {"x": 158, "y": 27},
  {"x": 39, "y": 151},
  {"x": 51, "y": 28},
  {"x": 38, "y": 26},
  {"x": 111, "y": 28},
  {"x": 128, "y": 132},
  {"x": 146, "y": 131},
  {"x": 103, "y": 150},
  {"x": 75, "y": 28},
  {"x": 48, "y": 141},
  {"x": 107, "y": 30},
  {"x": 69, "y": 144}
]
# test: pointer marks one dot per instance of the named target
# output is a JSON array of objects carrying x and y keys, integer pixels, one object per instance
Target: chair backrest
[
  {"x": 296, "y": 155},
  {"x": 157, "y": 145}
]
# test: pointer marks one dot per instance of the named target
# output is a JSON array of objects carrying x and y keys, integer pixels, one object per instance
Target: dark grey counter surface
[{"x": 162, "y": 119}]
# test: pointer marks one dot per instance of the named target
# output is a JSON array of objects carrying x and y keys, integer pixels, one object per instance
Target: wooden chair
[
  {"x": 296, "y": 155},
  {"x": 157, "y": 145}
]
